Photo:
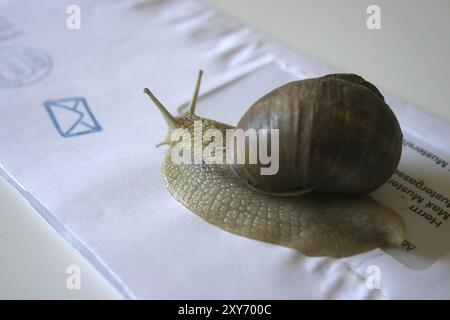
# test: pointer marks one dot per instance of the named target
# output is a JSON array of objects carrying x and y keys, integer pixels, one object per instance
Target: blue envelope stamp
[{"x": 72, "y": 116}]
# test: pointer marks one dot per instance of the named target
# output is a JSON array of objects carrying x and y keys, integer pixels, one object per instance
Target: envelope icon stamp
[
  {"x": 72, "y": 116},
  {"x": 23, "y": 66}
]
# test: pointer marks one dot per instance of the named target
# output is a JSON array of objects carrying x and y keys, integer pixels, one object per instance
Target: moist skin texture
[{"x": 316, "y": 223}]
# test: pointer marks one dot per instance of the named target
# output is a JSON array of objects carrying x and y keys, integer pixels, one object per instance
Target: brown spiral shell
[{"x": 336, "y": 133}]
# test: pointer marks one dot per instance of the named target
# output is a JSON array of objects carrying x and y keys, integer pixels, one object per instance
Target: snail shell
[
  {"x": 317, "y": 223},
  {"x": 336, "y": 134}
]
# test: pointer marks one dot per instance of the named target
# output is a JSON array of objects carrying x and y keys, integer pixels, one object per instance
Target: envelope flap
[
  {"x": 87, "y": 120},
  {"x": 66, "y": 118}
]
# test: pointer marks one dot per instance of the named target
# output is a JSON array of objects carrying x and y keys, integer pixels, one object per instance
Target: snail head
[{"x": 183, "y": 120}]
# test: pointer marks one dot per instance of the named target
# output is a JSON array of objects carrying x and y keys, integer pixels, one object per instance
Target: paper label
[{"x": 419, "y": 191}]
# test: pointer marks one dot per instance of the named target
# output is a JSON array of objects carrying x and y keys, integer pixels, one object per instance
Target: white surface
[
  {"x": 16, "y": 284},
  {"x": 409, "y": 55},
  {"x": 35, "y": 259}
]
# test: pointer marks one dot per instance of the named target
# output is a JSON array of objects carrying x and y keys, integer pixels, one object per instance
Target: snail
[{"x": 338, "y": 140}]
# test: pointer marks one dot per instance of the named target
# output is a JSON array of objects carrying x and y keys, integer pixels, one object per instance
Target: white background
[{"x": 408, "y": 57}]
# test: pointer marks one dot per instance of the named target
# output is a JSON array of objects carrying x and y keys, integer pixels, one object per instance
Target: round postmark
[{"x": 23, "y": 66}]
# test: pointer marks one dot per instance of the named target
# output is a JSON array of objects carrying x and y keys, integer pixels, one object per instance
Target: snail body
[{"x": 316, "y": 223}]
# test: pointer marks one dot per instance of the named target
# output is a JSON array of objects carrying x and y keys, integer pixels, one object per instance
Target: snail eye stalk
[
  {"x": 171, "y": 122},
  {"x": 193, "y": 102}
]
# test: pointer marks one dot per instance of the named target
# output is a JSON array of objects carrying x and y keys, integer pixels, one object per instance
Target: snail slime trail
[
  {"x": 241, "y": 147},
  {"x": 332, "y": 140}
]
